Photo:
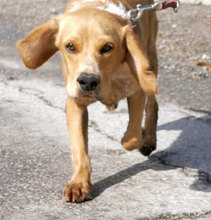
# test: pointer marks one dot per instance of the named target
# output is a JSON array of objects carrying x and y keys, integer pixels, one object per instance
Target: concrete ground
[{"x": 173, "y": 183}]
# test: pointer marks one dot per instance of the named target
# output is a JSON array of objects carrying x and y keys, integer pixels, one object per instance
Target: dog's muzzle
[{"x": 88, "y": 82}]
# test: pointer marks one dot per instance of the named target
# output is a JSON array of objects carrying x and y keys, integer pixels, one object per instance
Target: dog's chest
[{"x": 123, "y": 86}]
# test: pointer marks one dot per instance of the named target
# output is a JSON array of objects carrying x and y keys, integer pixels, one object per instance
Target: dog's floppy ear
[
  {"x": 39, "y": 45},
  {"x": 138, "y": 63}
]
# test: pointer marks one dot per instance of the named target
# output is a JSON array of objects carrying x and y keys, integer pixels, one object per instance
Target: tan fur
[{"x": 129, "y": 70}]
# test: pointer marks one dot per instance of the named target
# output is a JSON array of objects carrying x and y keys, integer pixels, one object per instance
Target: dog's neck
[{"x": 116, "y": 8}]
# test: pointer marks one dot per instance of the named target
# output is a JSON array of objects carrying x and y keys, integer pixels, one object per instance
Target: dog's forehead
[{"x": 84, "y": 23}]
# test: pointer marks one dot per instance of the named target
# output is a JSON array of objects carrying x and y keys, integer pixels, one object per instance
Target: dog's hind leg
[
  {"x": 150, "y": 126},
  {"x": 151, "y": 108}
]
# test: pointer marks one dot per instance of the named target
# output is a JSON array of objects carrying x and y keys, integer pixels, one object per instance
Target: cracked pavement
[{"x": 35, "y": 163}]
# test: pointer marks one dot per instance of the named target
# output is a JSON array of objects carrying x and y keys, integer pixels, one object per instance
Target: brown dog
[{"x": 104, "y": 60}]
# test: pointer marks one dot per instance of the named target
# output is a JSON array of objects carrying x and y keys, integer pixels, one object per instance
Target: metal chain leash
[{"x": 136, "y": 13}]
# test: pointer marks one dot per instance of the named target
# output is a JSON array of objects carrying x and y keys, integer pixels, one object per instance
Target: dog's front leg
[
  {"x": 133, "y": 138},
  {"x": 77, "y": 117}
]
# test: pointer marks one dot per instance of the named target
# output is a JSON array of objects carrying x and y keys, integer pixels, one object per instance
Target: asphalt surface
[{"x": 35, "y": 164}]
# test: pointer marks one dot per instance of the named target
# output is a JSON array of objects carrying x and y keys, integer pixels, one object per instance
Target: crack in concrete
[
  {"x": 39, "y": 94},
  {"x": 203, "y": 176},
  {"x": 197, "y": 174},
  {"x": 49, "y": 103},
  {"x": 94, "y": 125},
  {"x": 190, "y": 114},
  {"x": 34, "y": 92},
  {"x": 180, "y": 216}
]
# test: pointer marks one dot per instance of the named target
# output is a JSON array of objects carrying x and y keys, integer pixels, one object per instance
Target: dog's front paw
[
  {"x": 77, "y": 191},
  {"x": 130, "y": 143},
  {"x": 143, "y": 142}
]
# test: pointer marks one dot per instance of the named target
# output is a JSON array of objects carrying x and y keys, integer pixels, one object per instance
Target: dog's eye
[
  {"x": 70, "y": 48},
  {"x": 106, "y": 48}
]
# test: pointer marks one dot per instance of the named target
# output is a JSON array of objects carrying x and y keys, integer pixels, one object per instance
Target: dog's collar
[{"x": 133, "y": 26}]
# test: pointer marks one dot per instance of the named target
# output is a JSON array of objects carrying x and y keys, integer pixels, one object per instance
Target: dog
[{"x": 105, "y": 57}]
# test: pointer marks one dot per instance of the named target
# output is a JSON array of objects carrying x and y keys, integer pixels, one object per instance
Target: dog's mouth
[
  {"x": 92, "y": 95},
  {"x": 89, "y": 94}
]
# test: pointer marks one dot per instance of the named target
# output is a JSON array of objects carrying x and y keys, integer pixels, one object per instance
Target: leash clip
[
  {"x": 136, "y": 13},
  {"x": 158, "y": 5},
  {"x": 176, "y": 9},
  {"x": 131, "y": 13}
]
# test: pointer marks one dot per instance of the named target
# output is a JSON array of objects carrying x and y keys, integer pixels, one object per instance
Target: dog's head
[{"x": 93, "y": 45}]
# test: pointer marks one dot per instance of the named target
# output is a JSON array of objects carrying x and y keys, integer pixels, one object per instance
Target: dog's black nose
[{"x": 88, "y": 82}]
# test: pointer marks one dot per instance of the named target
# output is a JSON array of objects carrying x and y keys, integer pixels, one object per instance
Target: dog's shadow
[{"x": 192, "y": 149}]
